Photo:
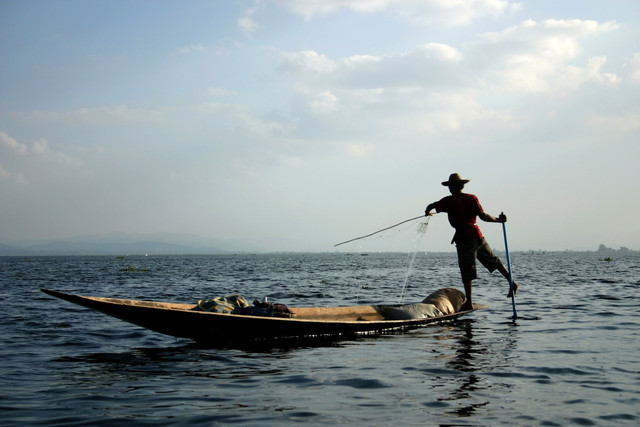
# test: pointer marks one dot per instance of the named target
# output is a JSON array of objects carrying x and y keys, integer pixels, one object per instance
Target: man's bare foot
[
  {"x": 466, "y": 306},
  {"x": 515, "y": 290}
]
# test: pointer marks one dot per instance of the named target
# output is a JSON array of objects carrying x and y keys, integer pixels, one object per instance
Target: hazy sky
[{"x": 306, "y": 123}]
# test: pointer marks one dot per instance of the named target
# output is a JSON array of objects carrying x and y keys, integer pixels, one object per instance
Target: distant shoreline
[
  {"x": 22, "y": 252},
  {"x": 122, "y": 244}
]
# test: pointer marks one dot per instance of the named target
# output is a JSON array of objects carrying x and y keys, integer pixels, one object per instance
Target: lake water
[{"x": 571, "y": 359}]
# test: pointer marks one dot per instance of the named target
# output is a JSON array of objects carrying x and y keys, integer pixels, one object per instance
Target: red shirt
[{"x": 462, "y": 210}]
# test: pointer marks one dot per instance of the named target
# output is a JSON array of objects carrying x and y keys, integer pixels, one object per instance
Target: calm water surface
[{"x": 572, "y": 358}]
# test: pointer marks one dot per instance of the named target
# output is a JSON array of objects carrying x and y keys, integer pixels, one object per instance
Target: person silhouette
[{"x": 462, "y": 210}]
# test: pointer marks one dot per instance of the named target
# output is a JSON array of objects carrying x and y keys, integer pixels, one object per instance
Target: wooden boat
[{"x": 182, "y": 321}]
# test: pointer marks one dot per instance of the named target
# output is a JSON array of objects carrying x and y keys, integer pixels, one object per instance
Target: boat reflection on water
[
  {"x": 469, "y": 356},
  {"x": 476, "y": 358}
]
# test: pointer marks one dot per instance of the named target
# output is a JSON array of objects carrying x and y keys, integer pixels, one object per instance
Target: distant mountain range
[
  {"x": 178, "y": 244},
  {"x": 130, "y": 244}
]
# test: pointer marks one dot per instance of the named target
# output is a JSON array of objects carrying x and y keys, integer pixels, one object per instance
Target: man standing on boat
[{"x": 462, "y": 209}]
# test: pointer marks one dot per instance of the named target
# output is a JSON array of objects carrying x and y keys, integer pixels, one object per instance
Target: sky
[{"x": 301, "y": 124}]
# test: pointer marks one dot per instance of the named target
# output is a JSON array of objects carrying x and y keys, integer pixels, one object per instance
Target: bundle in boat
[
  {"x": 441, "y": 302},
  {"x": 237, "y": 304}
]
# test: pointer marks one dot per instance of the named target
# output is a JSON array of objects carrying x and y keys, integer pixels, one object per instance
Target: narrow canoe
[{"x": 182, "y": 321}]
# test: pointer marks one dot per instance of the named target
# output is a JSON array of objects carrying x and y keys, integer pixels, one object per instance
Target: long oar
[
  {"x": 379, "y": 231},
  {"x": 513, "y": 292}
]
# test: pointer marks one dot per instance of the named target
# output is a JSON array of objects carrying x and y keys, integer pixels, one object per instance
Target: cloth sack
[{"x": 225, "y": 304}]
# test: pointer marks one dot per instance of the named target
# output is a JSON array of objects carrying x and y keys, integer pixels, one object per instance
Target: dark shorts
[{"x": 468, "y": 251}]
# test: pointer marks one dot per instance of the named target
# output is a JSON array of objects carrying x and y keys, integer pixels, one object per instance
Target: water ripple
[{"x": 570, "y": 359}]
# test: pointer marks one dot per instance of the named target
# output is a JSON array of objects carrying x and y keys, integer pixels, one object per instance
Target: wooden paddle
[{"x": 506, "y": 248}]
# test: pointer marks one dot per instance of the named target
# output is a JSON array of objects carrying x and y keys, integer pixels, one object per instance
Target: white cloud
[
  {"x": 263, "y": 127},
  {"x": 248, "y": 25},
  {"x": 288, "y": 160},
  {"x": 324, "y": 102},
  {"x": 17, "y": 176},
  {"x": 220, "y": 92},
  {"x": 27, "y": 159},
  {"x": 439, "y": 88},
  {"x": 537, "y": 57},
  {"x": 443, "y": 51},
  {"x": 406, "y": 92},
  {"x": 635, "y": 68},
  {"x": 13, "y": 146},
  {"x": 534, "y": 73},
  {"x": 432, "y": 64},
  {"x": 625, "y": 123},
  {"x": 425, "y": 12},
  {"x": 461, "y": 110},
  {"x": 451, "y": 12},
  {"x": 310, "y": 8},
  {"x": 593, "y": 72},
  {"x": 40, "y": 146},
  {"x": 196, "y": 47},
  {"x": 359, "y": 150},
  {"x": 216, "y": 108},
  {"x": 95, "y": 116},
  {"x": 306, "y": 61}
]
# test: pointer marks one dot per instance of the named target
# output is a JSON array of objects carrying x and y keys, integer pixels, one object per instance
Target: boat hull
[{"x": 182, "y": 321}]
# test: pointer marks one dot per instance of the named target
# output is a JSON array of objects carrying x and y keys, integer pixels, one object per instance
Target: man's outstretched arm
[{"x": 489, "y": 218}]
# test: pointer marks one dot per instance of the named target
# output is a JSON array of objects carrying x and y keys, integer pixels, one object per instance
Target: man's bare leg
[
  {"x": 503, "y": 270},
  {"x": 468, "y": 304}
]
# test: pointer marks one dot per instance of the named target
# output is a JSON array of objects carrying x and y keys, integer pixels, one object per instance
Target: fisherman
[{"x": 462, "y": 209}]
